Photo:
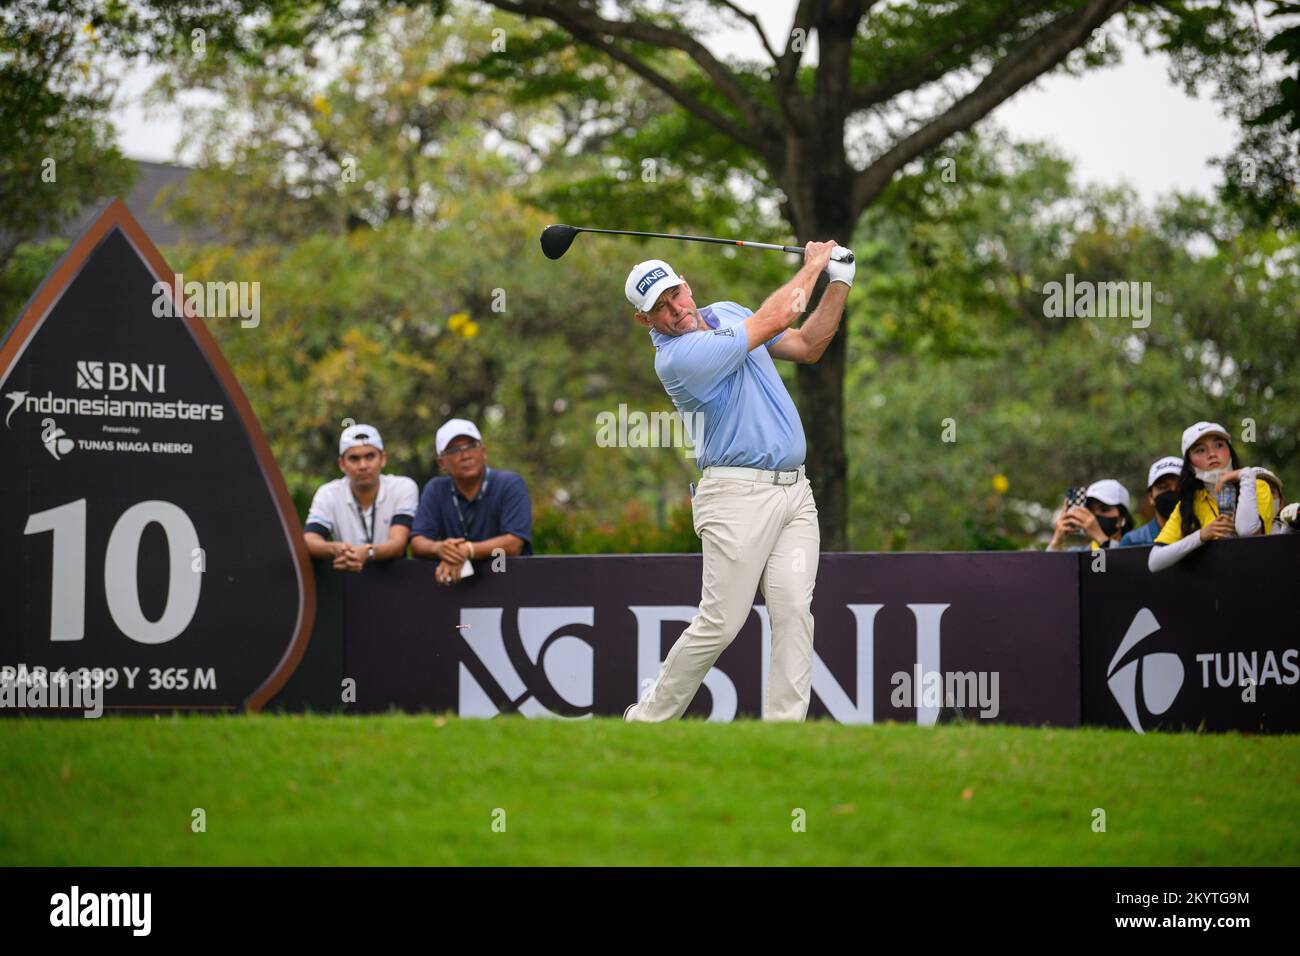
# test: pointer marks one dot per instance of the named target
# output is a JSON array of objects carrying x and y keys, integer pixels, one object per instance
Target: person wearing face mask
[
  {"x": 1217, "y": 497},
  {"x": 1162, "y": 495},
  {"x": 1104, "y": 517}
]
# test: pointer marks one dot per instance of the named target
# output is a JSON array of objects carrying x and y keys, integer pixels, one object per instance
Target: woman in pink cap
[{"x": 1218, "y": 498}]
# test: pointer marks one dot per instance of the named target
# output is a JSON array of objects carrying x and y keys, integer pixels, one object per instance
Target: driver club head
[{"x": 557, "y": 239}]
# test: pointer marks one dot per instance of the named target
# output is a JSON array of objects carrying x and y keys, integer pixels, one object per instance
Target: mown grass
[{"x": 420, "y": 790}]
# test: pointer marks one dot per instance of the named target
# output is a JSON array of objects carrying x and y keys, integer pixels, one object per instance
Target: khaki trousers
[{"x": 754, "y": 535}]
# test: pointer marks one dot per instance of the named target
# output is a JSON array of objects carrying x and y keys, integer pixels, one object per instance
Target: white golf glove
[{"x": 840, "y": 271}]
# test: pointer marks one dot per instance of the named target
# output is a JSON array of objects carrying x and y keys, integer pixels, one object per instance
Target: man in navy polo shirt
[{"x": 471, "y": 511}]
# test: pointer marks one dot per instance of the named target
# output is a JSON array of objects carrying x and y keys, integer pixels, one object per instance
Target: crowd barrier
[{"x": 1025, "y": 638}]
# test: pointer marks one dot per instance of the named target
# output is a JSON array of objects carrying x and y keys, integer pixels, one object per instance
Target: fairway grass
[{"x": 426, "y": 790}]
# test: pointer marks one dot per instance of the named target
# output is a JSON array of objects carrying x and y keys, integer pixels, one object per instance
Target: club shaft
[{"x": 797, "y": 250}]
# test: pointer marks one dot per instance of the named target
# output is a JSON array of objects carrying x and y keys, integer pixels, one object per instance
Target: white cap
[
  {"x": 1109, "y": 492},
  {"x": 355, "y": 435},
  {"x": 647, "y": 280},
  {"x": 1168, "y": 465},
  {"x": 454, "y": 428},
  {"x": 1194, "y": 434}
]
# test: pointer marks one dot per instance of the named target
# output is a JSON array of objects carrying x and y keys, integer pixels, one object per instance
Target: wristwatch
[{"x": 370, "y": 551}]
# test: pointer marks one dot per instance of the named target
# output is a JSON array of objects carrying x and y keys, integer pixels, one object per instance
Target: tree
[
  {"x": 413, "y": 290},
  {"x": 976, "y": 450},
  {"x": 1262, "y": 176},
  {"x": 56, "y": 145},
  {"x": 892, "y": 83}
]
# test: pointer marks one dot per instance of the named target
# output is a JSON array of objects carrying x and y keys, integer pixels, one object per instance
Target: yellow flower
[
  {"x": 456, "y": 321},
  {"x": 322, "y": 105},
  {"x": 470, "y": 330},
  {"x": 1000, "y": 484}
]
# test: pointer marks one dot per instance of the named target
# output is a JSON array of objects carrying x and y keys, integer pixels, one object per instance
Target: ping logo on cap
[{"x": 649, "y": 279}]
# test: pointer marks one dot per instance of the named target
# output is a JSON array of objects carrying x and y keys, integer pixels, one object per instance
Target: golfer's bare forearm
[
  {"x": 783, "y": 306},
  {"x": 821, "y": 326}
]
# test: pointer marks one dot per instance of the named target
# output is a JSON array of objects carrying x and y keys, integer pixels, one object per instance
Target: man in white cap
[
  {"x": 754, "y": 508},
  {"x": 472, "y": 512},
  {"x": 1162, "y": 496},
  {"x": 365, "y": 515},
  {"x": 1104, "y": 516}
]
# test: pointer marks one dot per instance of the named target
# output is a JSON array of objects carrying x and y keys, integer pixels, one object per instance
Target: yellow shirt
[{"x": 1206, "y": 510}]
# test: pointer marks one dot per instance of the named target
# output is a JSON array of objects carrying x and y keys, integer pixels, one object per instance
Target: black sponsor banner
[
  {"x": 148, "y": 546},
  {"x": 898, "y": 637},
  {"x": 1211, "y": 643}
]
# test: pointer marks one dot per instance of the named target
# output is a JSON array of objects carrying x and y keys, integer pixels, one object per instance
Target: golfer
[{"x": 754, "y": 509}]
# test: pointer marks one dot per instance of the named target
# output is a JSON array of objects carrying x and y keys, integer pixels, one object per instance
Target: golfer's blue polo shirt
[
  {"x": 749, "y": 419},
  {"x": 501, "y": 506}
]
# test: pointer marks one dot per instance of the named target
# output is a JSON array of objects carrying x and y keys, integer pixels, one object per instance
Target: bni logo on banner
[{"x": 540, "y": 665}]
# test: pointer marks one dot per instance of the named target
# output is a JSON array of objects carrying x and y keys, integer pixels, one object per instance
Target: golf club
[{"x": 556, "y": 240}]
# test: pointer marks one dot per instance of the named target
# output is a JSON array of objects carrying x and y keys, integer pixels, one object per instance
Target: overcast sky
[{"x": 1123, "y": 124}]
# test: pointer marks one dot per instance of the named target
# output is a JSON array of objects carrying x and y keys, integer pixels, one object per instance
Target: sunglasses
[{"x": 461, "y": 449}]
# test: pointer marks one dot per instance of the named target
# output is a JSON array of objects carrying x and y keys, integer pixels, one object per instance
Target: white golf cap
[
  {"x": 647, "y": 280},
  {"x": 454, "y": 428},
  {"x": 1109, "y": 492},
  {"x": 355, "y": 435},
  {"x": 1168, "y": 465},
  {"x": 1194, "y": 434}
]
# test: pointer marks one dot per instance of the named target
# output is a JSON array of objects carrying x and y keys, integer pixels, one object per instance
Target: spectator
[
  {"x": 1104, "y": 517},
  {"x": 1217, "y": 497},
  {"x": 366, "y": 513},
  {"x": 1162, "y": 496},
  {"x": 471, "y": 511}
]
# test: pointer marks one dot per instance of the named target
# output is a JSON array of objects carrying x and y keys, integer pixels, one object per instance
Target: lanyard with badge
[
  {"x": 464, "y": 530},
  {"x": 468, "y": 568},
  {"x": 374, "y": 514}
]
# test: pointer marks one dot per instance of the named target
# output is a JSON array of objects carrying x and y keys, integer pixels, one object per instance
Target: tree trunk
[
  {"x": 821, "y": 394},
  {"x": 821, "y": 407}
]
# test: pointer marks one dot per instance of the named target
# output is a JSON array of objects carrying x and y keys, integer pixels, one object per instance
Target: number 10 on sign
[{"x": 68, "y": 578}]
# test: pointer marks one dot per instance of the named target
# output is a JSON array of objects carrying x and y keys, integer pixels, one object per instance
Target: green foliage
[
  {"x": 396, "y": 326},
  {"x": 1044, "y": 402},
  {"x": 21, "y": 276},
  {"x": 418, "y": 292},
  {"x": 56, "y": 144},
  {"x": 638, "y": 531}
]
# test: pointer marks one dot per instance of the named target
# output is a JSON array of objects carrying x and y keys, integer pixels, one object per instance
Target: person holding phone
[
  {"x": 1218, "y": 498},
  {"x": 1099, "y": 512}
]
